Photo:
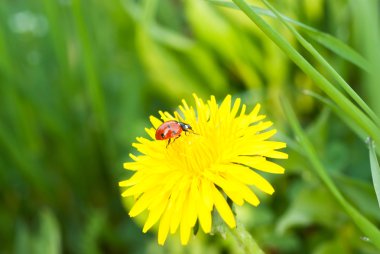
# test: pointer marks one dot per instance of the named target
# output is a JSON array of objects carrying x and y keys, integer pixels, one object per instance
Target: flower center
[{"x": 192, "y": 154}]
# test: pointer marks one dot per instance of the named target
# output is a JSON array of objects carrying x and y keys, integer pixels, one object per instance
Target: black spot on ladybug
[{"x": 162, "y": 135}]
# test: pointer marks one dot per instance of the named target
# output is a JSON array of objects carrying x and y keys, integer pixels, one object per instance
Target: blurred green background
[{"x": 79, "y": 80}]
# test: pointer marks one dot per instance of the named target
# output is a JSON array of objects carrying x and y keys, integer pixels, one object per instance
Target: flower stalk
[{"x": 245, "y": 239}]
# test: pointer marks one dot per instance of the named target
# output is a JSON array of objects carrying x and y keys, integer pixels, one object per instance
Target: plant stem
[{"x": 245, "y": 239}]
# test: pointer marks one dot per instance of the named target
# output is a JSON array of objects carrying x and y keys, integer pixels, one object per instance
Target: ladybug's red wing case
[
  {"x": 171, "y": 129},
  {"x": 168, "y": 130}
]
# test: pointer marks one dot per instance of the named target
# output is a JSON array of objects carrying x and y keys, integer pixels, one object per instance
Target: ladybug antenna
[
  {"x": 187, "y": 128},
  {"x": 193, "y": 132}
]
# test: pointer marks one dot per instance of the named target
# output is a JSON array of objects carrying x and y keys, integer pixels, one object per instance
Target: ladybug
[{"x": 172, "y": 129}]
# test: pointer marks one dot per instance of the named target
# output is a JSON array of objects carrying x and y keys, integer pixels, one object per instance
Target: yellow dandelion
[{"x": 183, "y": 182}]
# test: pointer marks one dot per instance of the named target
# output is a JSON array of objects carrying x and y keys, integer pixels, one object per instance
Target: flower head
[{"x": 183, "y": 182}]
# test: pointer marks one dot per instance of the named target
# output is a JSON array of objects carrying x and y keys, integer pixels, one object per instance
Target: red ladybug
[{"x": 171, "y": 129}]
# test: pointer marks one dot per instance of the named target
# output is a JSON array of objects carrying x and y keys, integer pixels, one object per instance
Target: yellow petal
[
  {"x": 185, "y": 233},
  {"x": 276, "y": 155},
  {"x": 135, "y": 179},
  {"x": 235, "y": 196},
  {"x": 249, "y": 196},
  {"x": 180, "y": 198},
  {"x": 203, "y": 114},
  {"x": 262, "y": 148},
  {"x": 254, "y": 112},
  {"x": 162, "y": 115},
  {"x": 270, "y": 167},
  {"x": 193, "y": 203},
  {"x": 189, "y": 213},
  {"x": 223, "y": 209},
  {"x": 225, "y": 107},
  {"x": 134, "y": 157},
  {"x": 238, "y": 189},
  {"x": 243, "y": 108},
  {"x": 254, "y": 129},
  {"x": 265, "y": 135},
  {"x": 142, "y": 203},
  {"x": 258, "y": 118},
  {"x": 168, "y": 116},
  {"x": 250, "y": 161},
  {"x": 151, "y": 132},
  {"x": 131, "y": 166},
  {"x": 206, "y": 194},
  {"x": 147, "y": 148},
  {"x": 235, "y": 108},
  {"x": 153, "y": 217},
  {"x": 228, "y": 188},
  {"x": 162, "y": 198},
  {"x": 250, "y": 177},
  {"x": 186, "y": 107},
  {"x": 204, "y": 216},
  {"x": 155, "y": 121},
  {"x": 139, "y": 188},
  {"x": 163, "y": 229},
  {"x": 178, "y": 117},
  {"x": 213, "y": 108}
]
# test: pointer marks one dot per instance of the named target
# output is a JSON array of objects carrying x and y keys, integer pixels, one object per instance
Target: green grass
[{"x": 79, "y": 80}]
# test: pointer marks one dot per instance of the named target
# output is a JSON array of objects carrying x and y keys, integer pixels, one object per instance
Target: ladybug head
[{"x": 185, "y": 126}]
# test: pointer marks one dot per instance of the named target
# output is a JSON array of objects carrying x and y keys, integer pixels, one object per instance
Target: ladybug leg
[
  {"x": 168, "y": 142},
  {"x": 176, "y": 138}
]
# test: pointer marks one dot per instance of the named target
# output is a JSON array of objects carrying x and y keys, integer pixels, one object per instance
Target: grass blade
[
  {"x": 353, "y": 126},
  {"x": 375, "y": 169},
  {"x": 344, "y": 104},
  {"x": 328, "y": 41},
  {"x": 362, "y": 222},
  {"x": 336, "y": 46},
  {"x": 93, "y": 84},
  {"x": 324, "y": 63}
]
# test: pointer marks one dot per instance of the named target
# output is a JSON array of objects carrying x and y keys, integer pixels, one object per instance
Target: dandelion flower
[{"x": 182, "y": 183}]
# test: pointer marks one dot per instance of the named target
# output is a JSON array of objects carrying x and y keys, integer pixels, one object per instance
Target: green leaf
[
  {"x": 200, "y": 13},
  {"x": 333, "y": 246},
  {"x": 360, "y": 194},
  {"x": 312, "y": 205},
  {"x": 375, "y": 169},
  {"x": 168, "y": 71},
  {"x": 22, "y": 242},
  {"x": 49, "y": 238},
  {"x": 92, "y": 231}
]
